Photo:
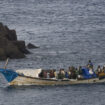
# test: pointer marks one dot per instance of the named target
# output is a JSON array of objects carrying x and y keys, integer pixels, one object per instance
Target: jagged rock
[
  {"x": 9, "y": 45},
  {"x": 6, "y": 32},
  {"x": 9, "y": 49},
  {"x": 21, "y": 46},
  {"x": 31, "y": 46}
]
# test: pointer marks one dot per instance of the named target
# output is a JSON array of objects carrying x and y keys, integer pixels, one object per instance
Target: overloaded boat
[{"x": 31, "y": 77}]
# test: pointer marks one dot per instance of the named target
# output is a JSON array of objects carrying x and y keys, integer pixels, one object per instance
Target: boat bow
[{"x": 9, "y": 74}]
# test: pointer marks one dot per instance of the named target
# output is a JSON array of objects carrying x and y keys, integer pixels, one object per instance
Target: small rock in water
[{"x": 31, "y": 46}]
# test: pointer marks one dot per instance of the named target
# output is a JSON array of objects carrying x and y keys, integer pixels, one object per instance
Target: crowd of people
[{"x": 72, "y": 72}]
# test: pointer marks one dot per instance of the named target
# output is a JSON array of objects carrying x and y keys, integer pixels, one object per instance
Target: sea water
[{"x": 68, "y": 32}]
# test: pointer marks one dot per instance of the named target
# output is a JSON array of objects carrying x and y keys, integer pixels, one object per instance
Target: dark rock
[
  {"x": 8, "y": 49},
  {"x": 2, "y": 54},
  {"x": 9, "y": 34},
  {"x": 31, "y": 46},
  {"x": 21, "y": 46},
  {"x": 12, "y": 51},
  {"x": 9, "y": 45}
]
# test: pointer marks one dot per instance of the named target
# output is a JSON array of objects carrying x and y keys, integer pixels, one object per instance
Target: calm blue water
[{"x": 69, "y": 32}]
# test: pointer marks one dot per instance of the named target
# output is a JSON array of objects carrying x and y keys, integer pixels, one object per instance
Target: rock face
[
  {"x": 31, "y": 46},
  {"x": 9, "y": 45}
]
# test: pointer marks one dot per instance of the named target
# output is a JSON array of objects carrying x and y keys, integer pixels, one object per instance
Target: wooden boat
[
  {"x": 27, "y": 77},
  {"x": 31, "y": 77}
]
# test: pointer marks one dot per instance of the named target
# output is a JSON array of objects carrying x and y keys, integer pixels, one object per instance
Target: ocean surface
[{"x": 69, "y": 32}]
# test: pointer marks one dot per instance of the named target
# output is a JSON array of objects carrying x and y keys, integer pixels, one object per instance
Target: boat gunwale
[{"x": 51, "y": 79}]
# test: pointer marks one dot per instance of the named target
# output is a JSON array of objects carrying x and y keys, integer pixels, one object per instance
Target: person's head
[
  {"x": 54, "y": 70},
  {"x": 98, "y": 66},
  {"x": 89, "y": 61},
  {"x": 62, "y": 69}
]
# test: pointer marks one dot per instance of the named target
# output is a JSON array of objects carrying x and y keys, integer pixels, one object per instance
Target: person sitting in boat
[
  {"x": 91, "y": 71},
  {"x": 41, "y": 74},
  {"x": 79, "y": 75},
  {"x": 99, "y": 70},
  {"x": 103, "y": 69},
  {"x": 66, "y": 75},
  {"x": 52, "y": 74},
  {"x": 74, "y": 76},
  {"x": 61, "y": 74},
  {"x": 69, "y": 73},
  {"x": 72, "y": 72},
  {"x": 90, "y": 64},
  {"x": 45, "y": 74},
  {"x": 101, "y": 73},
  {"x": 76, "y": 72},
  {"x": 80, "y": 70},
  {"x": 48, "y": 74},
  {"x": 55, "y": 74}
]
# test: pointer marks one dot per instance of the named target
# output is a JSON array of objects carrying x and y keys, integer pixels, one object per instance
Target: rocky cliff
[{"x": 9, "y": 45}]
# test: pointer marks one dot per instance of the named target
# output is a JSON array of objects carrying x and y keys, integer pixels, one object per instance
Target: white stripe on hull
[{"x": 35, "y": 81}]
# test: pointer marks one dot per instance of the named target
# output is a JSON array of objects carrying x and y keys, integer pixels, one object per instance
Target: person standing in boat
[{"x": 90, "y": 64}]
